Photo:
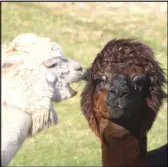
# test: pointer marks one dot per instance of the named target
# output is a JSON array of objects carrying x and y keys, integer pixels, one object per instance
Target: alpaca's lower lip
[
  {"x": 114, "y": 112},
  {"x": 115, "y": 107},
  {"x": 73, "y": 92}
]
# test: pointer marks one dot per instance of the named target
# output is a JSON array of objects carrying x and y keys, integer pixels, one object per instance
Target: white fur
[
  {"x": 28, "y": 87},
  {"x": 15, "y": 129}
]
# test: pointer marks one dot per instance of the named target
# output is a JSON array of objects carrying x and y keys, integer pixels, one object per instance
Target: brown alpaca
[{"x": 121, "y": 99}]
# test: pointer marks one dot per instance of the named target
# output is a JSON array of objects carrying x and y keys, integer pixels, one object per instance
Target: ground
[{"x": 82, "y": 29}]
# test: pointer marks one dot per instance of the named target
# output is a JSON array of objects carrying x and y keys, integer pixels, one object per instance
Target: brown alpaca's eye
[{"x": 99, "y": 81}]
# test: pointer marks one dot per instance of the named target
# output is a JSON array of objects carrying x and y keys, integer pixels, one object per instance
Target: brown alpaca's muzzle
[{"x": 125, "y": 97}]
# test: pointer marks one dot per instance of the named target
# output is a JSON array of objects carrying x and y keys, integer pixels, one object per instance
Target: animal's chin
[
  {"x": 66, "y": 93},
  {"x": 114, "y": 112},
  {"x": 119, "y": 113}
]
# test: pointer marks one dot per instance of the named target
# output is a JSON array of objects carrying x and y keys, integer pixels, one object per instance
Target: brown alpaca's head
[{"x": 124, "y": 86}]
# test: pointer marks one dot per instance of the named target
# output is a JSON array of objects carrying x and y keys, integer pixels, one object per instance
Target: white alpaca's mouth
[
  {"x": 75, "y": 76},
  {"x": 78, "y": 77},
  {"x": 72, "y": 91},
  {"x": 64, "y": 92}
]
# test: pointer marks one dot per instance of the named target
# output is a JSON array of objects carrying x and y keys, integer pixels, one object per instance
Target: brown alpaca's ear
[{"x": 142, "y": 84}]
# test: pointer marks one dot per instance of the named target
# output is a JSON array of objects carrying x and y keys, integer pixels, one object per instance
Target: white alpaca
[{"x": 34, "y": 72}]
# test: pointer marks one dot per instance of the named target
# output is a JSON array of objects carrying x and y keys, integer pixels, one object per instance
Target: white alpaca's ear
[
  {"x": 51, "y": 62},
  {"x": 13, "y": 59},
  {"x": 56, "y": 50}
]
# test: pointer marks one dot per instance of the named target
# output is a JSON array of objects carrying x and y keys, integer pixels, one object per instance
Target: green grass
[{"x": 82, "y": 32}]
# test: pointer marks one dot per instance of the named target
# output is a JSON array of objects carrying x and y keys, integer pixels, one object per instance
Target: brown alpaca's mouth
[{"x": 114, "y": 112}]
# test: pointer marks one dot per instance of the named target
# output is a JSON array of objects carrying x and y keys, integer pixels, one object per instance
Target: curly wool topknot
[{"x": 128, "y": 53}]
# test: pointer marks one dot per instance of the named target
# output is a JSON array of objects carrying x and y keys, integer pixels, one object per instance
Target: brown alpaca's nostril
[
  {"x": 112, "y": 91},
  {"x": 119, "y": 91},
  {"x": 124, "y": 92}
]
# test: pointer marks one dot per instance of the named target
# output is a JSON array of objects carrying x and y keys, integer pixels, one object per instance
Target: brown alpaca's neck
[{"x": 127, "y": 151}]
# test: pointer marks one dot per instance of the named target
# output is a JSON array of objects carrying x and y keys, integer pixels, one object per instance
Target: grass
[{"x": 82, "y": 29}]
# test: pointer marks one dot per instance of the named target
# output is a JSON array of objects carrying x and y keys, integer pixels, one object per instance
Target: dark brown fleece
[{"x": 128, "y": 57}]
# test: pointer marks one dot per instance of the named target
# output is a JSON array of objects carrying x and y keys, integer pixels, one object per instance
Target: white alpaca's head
[{"x": 60, "y": 71}]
